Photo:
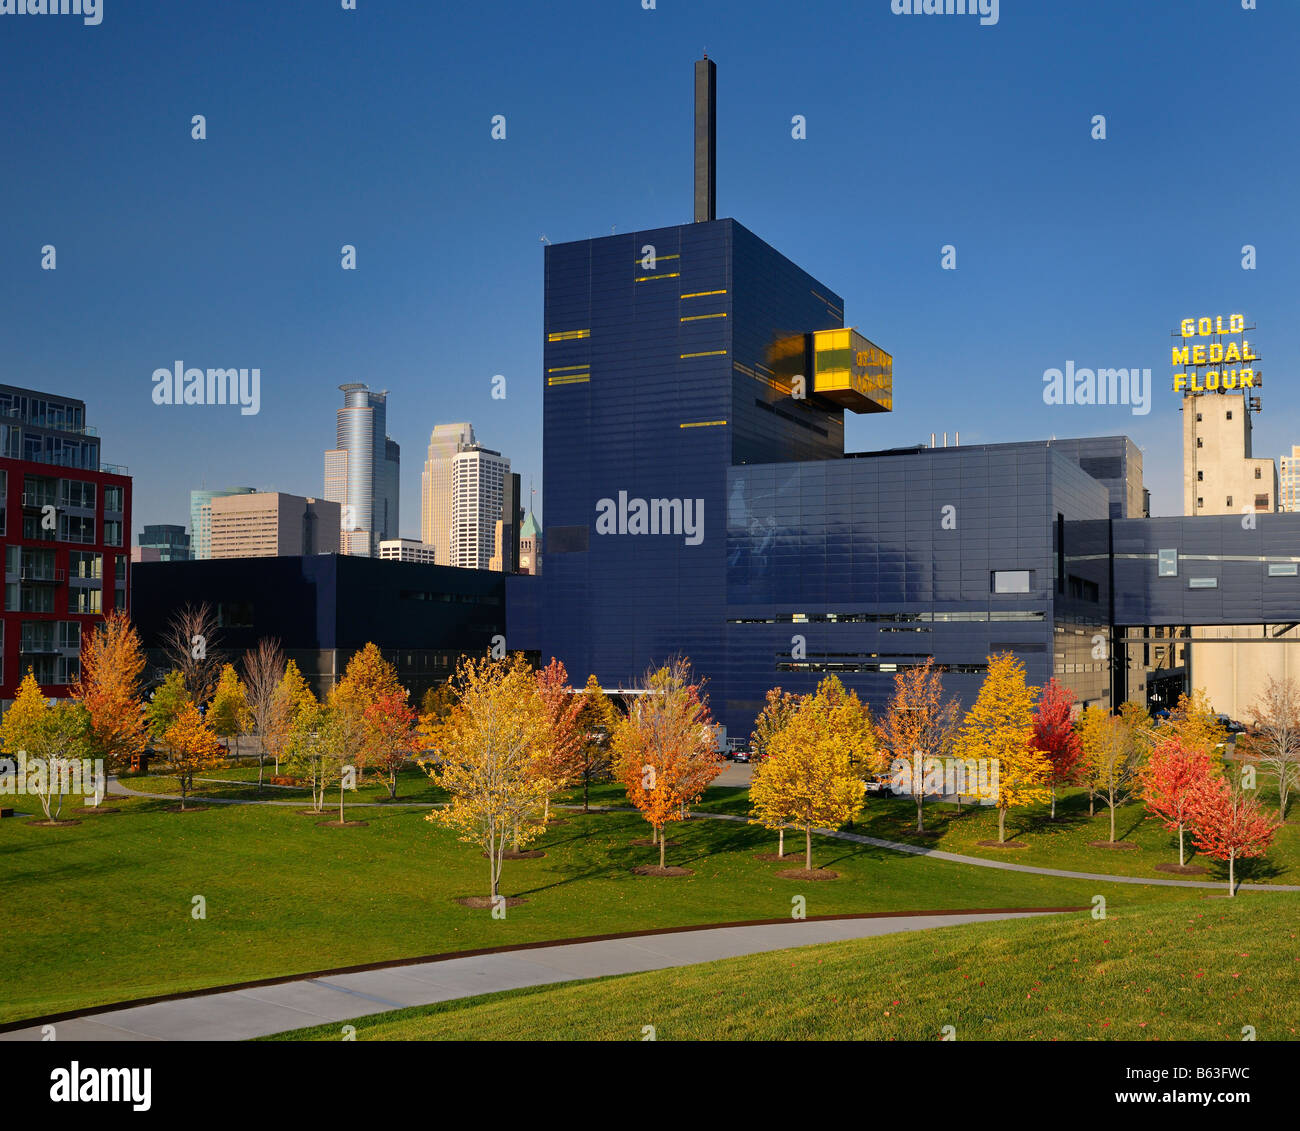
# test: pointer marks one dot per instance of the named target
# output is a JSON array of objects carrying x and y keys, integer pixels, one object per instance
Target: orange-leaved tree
[
  {"x": 665, "y": 747},
  {"x": 1169, "y": 782},
  {"x": 919, "y": 724},
  {"x": 559, "y": 759},
  {"x": 597, "y": 718},
  {"x": 191, "y": 747},
  {"x": 389, "y": 735},
  {"x": 112, "y": 662},
  {"x": 1000, "y": 727},
  {"x": 1228, "y": 825}
]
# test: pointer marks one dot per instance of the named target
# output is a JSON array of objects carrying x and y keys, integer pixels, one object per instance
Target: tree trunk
[
  {"x": 920, "y": 818},
  {"x": 1232, "y": 873},
  {"x": 586, "y": 793},
  {"x": 661, "y": 849},
  {"x": 1092, "y": 804},
  {"x": 807, "y": 846},
  {"x": 546, "y": 811},
  {"x": 780, "y": 842},
  {"x": 1053, "y": 801},
  {"x": 1112, "y": 820},
  {"x": 1002, "y": 825},
  {"x": 392, "y": 785},
  {"x": 340, "y": 801},
  {"x": 1181, "y": 858}
]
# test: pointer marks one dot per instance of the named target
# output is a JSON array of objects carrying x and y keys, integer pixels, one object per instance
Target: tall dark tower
[{"x": 706, "y": 156}]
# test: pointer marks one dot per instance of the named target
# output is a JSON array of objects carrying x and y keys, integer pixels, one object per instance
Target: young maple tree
[
  {"x": 1275, "y": 742},
  {"x": 1228, "y": 825},
  {"x": 112, "y": 662},
  {"x": 389, "y": 735},
  {"x": 665, "y": 747},
  {"x": 1000, "y": 727},
  {"x": 812, "y": 777},
  {"x": 559, "y": 759},
  {"x": 1169, "y": 781},
  {"x": 597, "y": 718},
  {"x": 191, "y": 747},
  {"x": 1056, "y": 736},
  {"x": 263, "y": 670},
  {"x": 1111, "y": 750},
  {"x": 52, "y": 738},
  {"x": 228, "y": 713},
  {"x": 289, "y": 701},
  {"x": 919, "y": 724},
  {"x": 485, "y": 749},
  {"x": 778, "y": 710}
]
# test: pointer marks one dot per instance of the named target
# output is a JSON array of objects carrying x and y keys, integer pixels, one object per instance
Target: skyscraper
[
  {"x": 201, "y": 518},
  {"x": 361, "y": 471},
  {"x": 435, "y": 485},
  {"x": 478, "y": 477}
]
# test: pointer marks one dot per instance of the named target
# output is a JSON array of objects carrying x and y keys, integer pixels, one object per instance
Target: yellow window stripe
[
  {"x": 658, "y": 257},
  {"x": 699, "y": 317},
  {"x": 567, "y": 335},
  {"x": 701, "y": 294},
  {"x": 666, "y": 275},
  {"x": 567, "y": 368},
  {"x": 708, "y": 353},
  {"x": 703, "y": 424},
  {"x": 573, "y": 379}
]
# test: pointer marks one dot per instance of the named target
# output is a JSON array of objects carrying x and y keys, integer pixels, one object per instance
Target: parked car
[
  {"x": 741, "y": 755},
  {"x": 880, "y": 787},
  {"x": 1231, "y": 725}
]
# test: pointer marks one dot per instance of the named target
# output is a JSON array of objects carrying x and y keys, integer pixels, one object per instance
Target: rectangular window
[
  {"x": 84, "y": 600},
  {"x": 1229, "y": 414},
  {"x": 1200, "y": 476},
  {"x": 1011, "y": 580},
  {"x": 1282, "y": 569},
  {"x": 1258, "y": 474},
  {"x": 76, "y": 528},
  {"x": 1167, "y": 563},
  {"x": 1202, "y": 583},
  {"x": 113, "y": 499},
  {"x": 1198, "y": 442},
  {"x": 112, "y": 531}
]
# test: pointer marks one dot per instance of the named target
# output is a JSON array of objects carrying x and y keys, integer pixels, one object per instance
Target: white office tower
[
  {"x": 478, "y": 478},
  {"x": 445, "y": 442}
]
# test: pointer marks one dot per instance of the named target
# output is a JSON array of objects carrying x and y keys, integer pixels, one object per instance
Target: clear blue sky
[{"x": 372, "y": 127}]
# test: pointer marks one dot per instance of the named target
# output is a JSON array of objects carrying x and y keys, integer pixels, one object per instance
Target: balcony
[
  {"x": 43, "y": 576},
  {"x": 38, "y": 500}
]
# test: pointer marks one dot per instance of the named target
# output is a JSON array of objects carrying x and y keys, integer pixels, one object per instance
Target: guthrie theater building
[{"x": 699, "y": 499}]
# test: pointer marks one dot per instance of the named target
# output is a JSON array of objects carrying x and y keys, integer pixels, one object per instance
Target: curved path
[
  {"x": 259, "y": 1010},
  {"x": 114, "y": 786}
]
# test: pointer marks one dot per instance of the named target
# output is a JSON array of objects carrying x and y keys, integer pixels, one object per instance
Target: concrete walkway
[
  {"x": 115, "y": 787},
  {"x": 233, "y": 1015}
]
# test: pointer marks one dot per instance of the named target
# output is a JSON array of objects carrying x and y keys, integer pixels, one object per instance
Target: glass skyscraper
[{"x": 361, "y": 471}]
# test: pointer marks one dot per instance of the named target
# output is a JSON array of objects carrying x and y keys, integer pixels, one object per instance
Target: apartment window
[
  {"x": 1011, "y": 580},
  {"x": 1198, "y": 418},
  {"x": 70, "y": 635},
  {"x": 112, "y": 532},
  {"x": 1229, "y": 414},
  {"x": 1257, "y": 474},
  {"x": 1167, "y": 561},
  {"x": 1200, "y": 476},
  {"x": 113, "y": 499},
  {"x": 1199, "y": 501},
  {"x": 85, "y": 565},
  {"x": 77, "y": 493},
  {"x": 83, "y": 600},
  {"x": 1229, "y": 502},
  {"x": 119, "y": 567},
  {"x": 1261, "y": 502},
  {"x": 1198, "y": 442},
  {"x": 76, "y": 528}
]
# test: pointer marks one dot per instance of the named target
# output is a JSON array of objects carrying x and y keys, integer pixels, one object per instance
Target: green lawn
[
  {"x": 101, "y": 911},
  {"x": 1172, "y": 971}
]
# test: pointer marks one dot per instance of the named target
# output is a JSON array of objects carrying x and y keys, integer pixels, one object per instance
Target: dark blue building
[{"x": 699, "y": 499}]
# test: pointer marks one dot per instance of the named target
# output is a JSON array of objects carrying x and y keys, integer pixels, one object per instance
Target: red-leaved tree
[
  {"x": 1228, "y": 825},
  {"x": 1055, "y": 735},
  {"x": 1169, "y": 781},
  {"x": 388, "y": 727}
]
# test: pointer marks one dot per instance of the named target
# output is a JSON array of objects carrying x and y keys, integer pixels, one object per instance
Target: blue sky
[{"x": 372, "y": 127}]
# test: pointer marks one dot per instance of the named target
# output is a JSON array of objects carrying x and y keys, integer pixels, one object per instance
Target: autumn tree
[
  {"x": 559, "y": 756},
  {"x": 20, "y": 723},
  {"x": 190, "y": 643},
  {"x": 778, "y": 709},
  {"x": 665, "y": 747},
  {"x": 112, "y": 662},
  {"x": 1228, "y": 825},
  {"x": 1000, "y": 727},
  {"x": 324, "y": 748},
  {"x": 53, "y": 738},
  {"x": 812, "y": 776},
  {"x": 1111, "y": 751},
  {"x": 919, "y": 724},
  {"x": 389, "y": 735},
  {"x": 1055, "y": 735},
  {"x": 1169, "y": 782},
  {"x": 165, "y": 704},
  {"x": 1275, "y": 743},
  {"x": 228, "y": 713},
  {"x": 191, "y": 747},
  {"x": 1194, "y": 722},
  {"x": 597, "y": 719},
  {"x": 263, "y": 670},
  {"x": 485, "y": 751},
  {"x": 290, "y": 700}
]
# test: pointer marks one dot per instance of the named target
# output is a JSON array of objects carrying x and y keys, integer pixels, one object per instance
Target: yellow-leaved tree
[
  {"x": 191, "y": 747},
  {"x": 1112, "y": 755},
  {"x": 1000, "y": 727},
  {"x": 1194, "y": 723},
  {"x": 485, "y": 757},
  {"x": 812, "y": 776}
]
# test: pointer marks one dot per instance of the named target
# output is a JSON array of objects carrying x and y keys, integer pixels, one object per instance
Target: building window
[
  {"x": 1011, "y": 580},
  {"x": 1202, "y": 583},
  {"x": 113, "y": 499},
  {"x": 1199, "y": 501},
  {"x": 1261, "y": 503},
  {"x": 76, "y": 528},
  {"x": 1167, "y": 561},
  {"x": 1258, "y": 474},
  {"x": 1198, "y": 418},
  {"x": 1198, "y": 442},
  {"x": 112, "y": 531},
  {"x": 84, "y": 600},
  {"x": 1200, "y": 476},
  {"x": 1229, "y": 502},
  {"x": 1282, "y": 569},
  {"x": 1229, "y": 414}
]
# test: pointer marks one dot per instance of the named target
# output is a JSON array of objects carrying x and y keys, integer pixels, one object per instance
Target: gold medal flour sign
[{"x": 1214, "y": 356}]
